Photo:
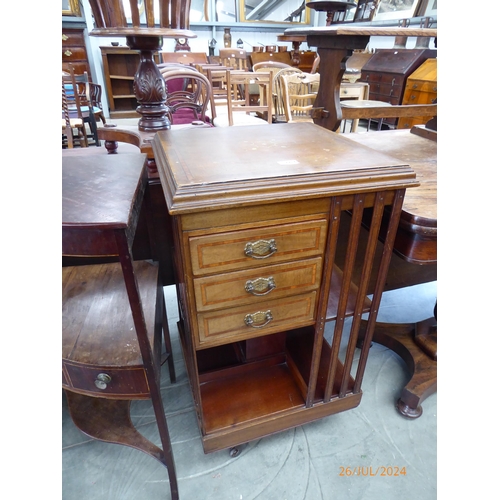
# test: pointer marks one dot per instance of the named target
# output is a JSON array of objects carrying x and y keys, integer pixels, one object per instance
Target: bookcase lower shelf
[{"x": 244, "y": 397}]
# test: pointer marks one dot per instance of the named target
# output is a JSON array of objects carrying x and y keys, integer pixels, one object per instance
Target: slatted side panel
[
  {"x": 351, "y": 301},
  {"x": 390, "y": 236}
]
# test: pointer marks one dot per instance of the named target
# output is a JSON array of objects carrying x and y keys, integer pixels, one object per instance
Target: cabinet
[
  {"x": 421, "y": 88},
  {"x": 255, "y": 228},
  {"x": 387, "y": 71},
  {"x": 119, "y": 66},
  {"x": 74, "y": 51}
]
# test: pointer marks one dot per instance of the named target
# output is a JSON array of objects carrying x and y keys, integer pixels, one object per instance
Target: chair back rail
[
  {"x": 300, "y": 91},
  {"x": 239, "y": 82},
  {"x": 187, "y": 90},
  {"x": 234, "y": 58}
]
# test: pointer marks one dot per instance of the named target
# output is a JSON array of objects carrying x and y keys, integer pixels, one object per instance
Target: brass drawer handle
[
  {"x": 102, "y": 380},
  {"x": 262, "y": 318},
  {"x": 65, "y": 37},
  {"x": 261, "y": 249},
  {"x": 68, "y": 53},
  {"x": 260, "y": 286}
]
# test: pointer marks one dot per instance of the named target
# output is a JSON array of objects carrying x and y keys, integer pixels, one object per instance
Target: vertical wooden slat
[
  {"x": 357, "y": 215},
  {"x": 99, "y": 21},
  {"x": 164, "y": 13},
  {"x": 150, "y": 13},
  {"x": 174, "y": 13},
  {"x": 329, "y": 254},
  {"x": 379, "y": 287},
  {"x": 116, "y": 13},
  {"x": 376, "y": 221},
  {"x": 134, "y": 10},
  {"x": 184, "y": 8}
]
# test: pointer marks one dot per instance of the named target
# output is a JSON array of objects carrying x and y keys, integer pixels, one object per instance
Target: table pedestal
[
  {"x": 403, "y": 340},
  {"x": 149, "y": 85}
]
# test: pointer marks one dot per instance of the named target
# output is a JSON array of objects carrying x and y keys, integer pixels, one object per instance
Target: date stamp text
[{"x": 370, "y": 471}]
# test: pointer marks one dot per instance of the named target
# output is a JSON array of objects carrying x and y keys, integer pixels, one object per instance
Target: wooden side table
[{"x": 113, "y": 314}]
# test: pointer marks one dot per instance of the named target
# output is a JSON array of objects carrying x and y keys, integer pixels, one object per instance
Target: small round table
[{"x": 335, "y": 11}]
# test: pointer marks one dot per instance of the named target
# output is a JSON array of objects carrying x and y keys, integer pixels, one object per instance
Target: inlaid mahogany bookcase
[{"x": 256, "y": 224}]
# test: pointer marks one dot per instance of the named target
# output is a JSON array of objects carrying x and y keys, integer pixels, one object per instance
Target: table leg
[
  {"x": 406, "y": 340},
  {"x": 109, "y": 420}
]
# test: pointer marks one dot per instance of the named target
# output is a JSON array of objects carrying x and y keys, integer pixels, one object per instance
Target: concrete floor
[{"x": 305, "y": 463}]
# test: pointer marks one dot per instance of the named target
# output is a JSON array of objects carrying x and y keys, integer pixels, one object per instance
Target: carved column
[{"x": 149, "y": 86}]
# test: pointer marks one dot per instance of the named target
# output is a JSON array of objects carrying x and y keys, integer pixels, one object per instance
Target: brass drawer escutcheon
[
  {"x": 262, "y": 318},
  {"x": 261, "y": 249},
  {"x": 260, "y": 286}
]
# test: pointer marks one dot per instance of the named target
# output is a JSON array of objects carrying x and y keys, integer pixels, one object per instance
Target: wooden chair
[
  {"x": 275, "y": 67},
  {"x": 278, "y": 94},
  {"x": 238, "y": 84},
  {"x": 68, "y": 124},
  {"x": 188, "y": 95},
  {"x": 74, "y": 119},
  {"x": 217, "y": 76},
  {"x": 357, "y": 93},
  {"x": 234, "y": 58},
  {"x": 79, "y": 99},
  {"x": 299, "y": 94}
]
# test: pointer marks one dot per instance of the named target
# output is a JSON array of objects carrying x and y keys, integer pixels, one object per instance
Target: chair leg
[
  {"x": 69, "y": 137},
  {"x": 167, "y": 356},
  {"x": 82, "y": 137},
  {"x": 93, "y": 129}
]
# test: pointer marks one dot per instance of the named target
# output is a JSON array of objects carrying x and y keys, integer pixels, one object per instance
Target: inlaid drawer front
[
  {"x": 257, "y": 285},
  {"x": 248, "y": 248},
  {"x": 102, "y": 380},
  {"x": 245, "y": 322}
]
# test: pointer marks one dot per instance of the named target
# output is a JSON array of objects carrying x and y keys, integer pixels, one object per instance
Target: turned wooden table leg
[{"x": 149, "y": 85}]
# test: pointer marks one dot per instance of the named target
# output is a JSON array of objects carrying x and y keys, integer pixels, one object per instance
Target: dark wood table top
[
  {"x": 418, "y": 222},
  {"x": 100, "y": 194}
]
